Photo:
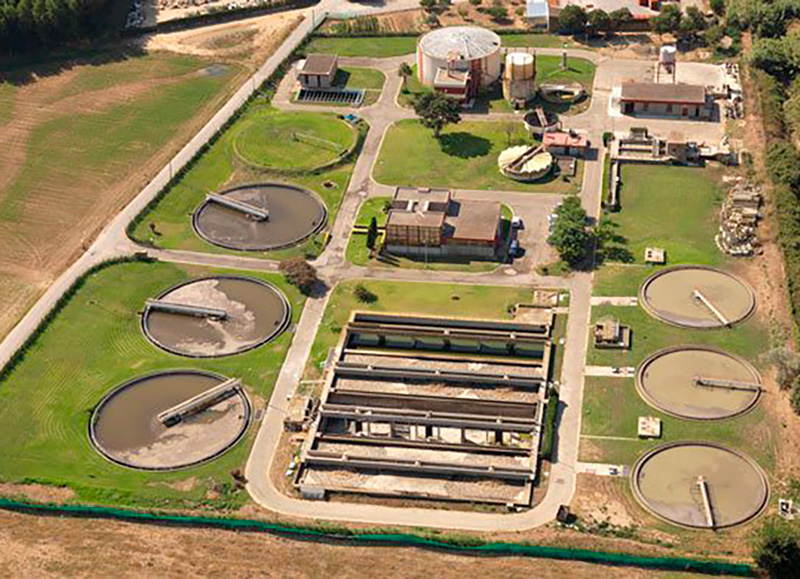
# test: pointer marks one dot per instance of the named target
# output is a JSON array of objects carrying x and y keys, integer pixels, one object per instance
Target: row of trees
[{"x": 26, "y": 24}]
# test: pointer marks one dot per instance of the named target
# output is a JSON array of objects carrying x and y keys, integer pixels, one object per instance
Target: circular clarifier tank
[
  {"x": 697, "y": 297},
  {"x": 223, "y": 315},
  {"x": 698, "y": 383},
  {"x": 293, "y": 215},
  {"x": 700, "y": 485},
  {"x": 128, "y": 426}
]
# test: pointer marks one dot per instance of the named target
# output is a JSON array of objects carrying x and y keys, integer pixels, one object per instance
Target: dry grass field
[
  {"x": 79, "y": 139},
  {"x": 52, "y": 547}
]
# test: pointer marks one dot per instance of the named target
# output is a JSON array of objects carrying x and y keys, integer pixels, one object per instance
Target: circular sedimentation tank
[
  {"x": 525, "y": 163},
  {"x": 295, "y": 214},
  {"x": 697, "y": 296},
  {"x": 255, "y": 313},
  {"x": 562, "y": 93},
  {"x": 533, "y": 123},
  {"x": 126, "y": 428},
  {"x": 698, "y": 383},
  {"x": 700, "y": 485}
]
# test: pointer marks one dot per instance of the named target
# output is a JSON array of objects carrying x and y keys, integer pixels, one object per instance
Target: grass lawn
[
  {"x": 611, "y": 407},
  {"x": 748, "y": 339},
  {"x": 291, "y": 141},
  {"x": 464, "y": 157},
  {"x": 359, "y": 254},
  {"x": 219, "y": 168},
  {"x": 388, "y": 46},
  {"x": 92, "y": 345},
  {"x": 376, "y": 47},
  {"x": 671, "y": 207},
  {"x": 471, "y": 301},
  {"x": 7, "y": 93},
  {"x": 366, "y": 78}
]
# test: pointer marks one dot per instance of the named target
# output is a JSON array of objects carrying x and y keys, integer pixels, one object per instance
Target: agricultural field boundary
[{"x": 465, "y": 545}]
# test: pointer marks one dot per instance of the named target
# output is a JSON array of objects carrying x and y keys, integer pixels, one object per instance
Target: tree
[
  {"x": 404, "y": 71},
  {"x": 498, "y": 12},
  {"x": 717, "y": 7},
  {"x": 777, "y": 550},
  {"x": 570, "y": 235},
  {"x": 692, "y": 23},
  {"x": 668, "y": 21},
  {"x": 372, "y": 233},
  {"x": 774, "y": 56},
  {"x": 599, "y": 22},
  {"x": 475, "y": 2},
  {"x": 436, "y": 111},
  {"x": 572, "y": 20},
  {"x": 783, "y": 163},
  {"x": 300, "y": 274},
  {"x": 427, "y": 5},
  {"x": 364, "y": 294},
  {"x": 620, "y": 18},
  {"x": 796, "y": 395}
]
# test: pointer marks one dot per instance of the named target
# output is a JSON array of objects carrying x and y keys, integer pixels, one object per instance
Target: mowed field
[
  {"x": 77, "y": 143},
  {"x": 94, "y": 344}
]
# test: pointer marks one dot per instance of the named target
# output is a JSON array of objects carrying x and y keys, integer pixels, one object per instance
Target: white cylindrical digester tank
[
  {"x": 464, "y": 48},
  {"x": 519, "y": 66}
]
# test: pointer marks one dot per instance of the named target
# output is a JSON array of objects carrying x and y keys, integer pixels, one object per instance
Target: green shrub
[
  {"x": 550, "y": 414},
  {"x": 783, "y": 163},
  {"x": 777, "y": 549}
]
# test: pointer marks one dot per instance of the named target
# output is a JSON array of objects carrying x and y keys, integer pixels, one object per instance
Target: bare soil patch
[{"x": 37, "y": 493}]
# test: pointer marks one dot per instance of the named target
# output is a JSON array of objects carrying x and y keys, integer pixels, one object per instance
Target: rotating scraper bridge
[{"x": 430, "y": 408}]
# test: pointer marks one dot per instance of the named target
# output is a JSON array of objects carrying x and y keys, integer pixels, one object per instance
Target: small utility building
[
  {"x": 431, "y": 222},
  {"x": 665, "y": 100},
  {"x": 318, "y": 70}
]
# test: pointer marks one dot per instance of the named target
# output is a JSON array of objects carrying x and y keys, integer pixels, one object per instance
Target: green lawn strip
[
  {"x": 372, "y": 46},
  {"x": 101, "y": 148},
  {"x": 8, "y": 93},
  {"x": 161, "y": 65},
  {"x": 94, "y": 344},
  {"x": 671, "y": 207},
  {"x": 472, "y": 301},
  {"x": 464, "y": 157},
  {"x": 615, "y": 279},
  {"x": 580, "y": 70},
  {"x": 291, "y": 141},
  {"x": 612, "y": 406},
  {"x": 748, "y": 339},
  {"x": 219, "y": 168},
  {"x": 389, "y": 46},
  {"x": 365, "y": 78},
  {"x": 359, "y": 254}
]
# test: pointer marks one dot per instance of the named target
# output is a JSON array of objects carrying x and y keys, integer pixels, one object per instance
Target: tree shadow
[
  {"x": 27, "y": 68},
  {"x": 464, "y": 145}
]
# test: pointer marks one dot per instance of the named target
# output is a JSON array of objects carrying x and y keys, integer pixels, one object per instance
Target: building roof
[
  {"x": 321, "y": 64},
  {"x": 422, "y": 194},
  {"x": 537, "y": 9},
  {"x": 637, "y": 10},
  {"x": 475, "y": 220},
  {"x": 403, "y": 218},
  {"x": 561, "y": 139},
  {"x": 451, "y": 78},
  {"x": 664, "y": 93},
  {"x": 459, "y": 42}
]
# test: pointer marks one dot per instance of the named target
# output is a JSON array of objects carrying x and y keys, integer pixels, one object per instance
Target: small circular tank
[{"x": 519, "y": 66}]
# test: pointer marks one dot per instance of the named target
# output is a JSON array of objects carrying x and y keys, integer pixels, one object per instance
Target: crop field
[
  {"x": 94, "y": 344},
  {"x": 464, "y": 157},
  {"x": 169, "y": 225},
  {"x": 76, "y": 145},
  {"x": 438, "y": 299}
]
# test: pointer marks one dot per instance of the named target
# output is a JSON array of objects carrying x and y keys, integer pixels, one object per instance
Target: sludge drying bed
[
  {"x": 126, "y": 427},
  {"x": 255, "y": 313}
]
